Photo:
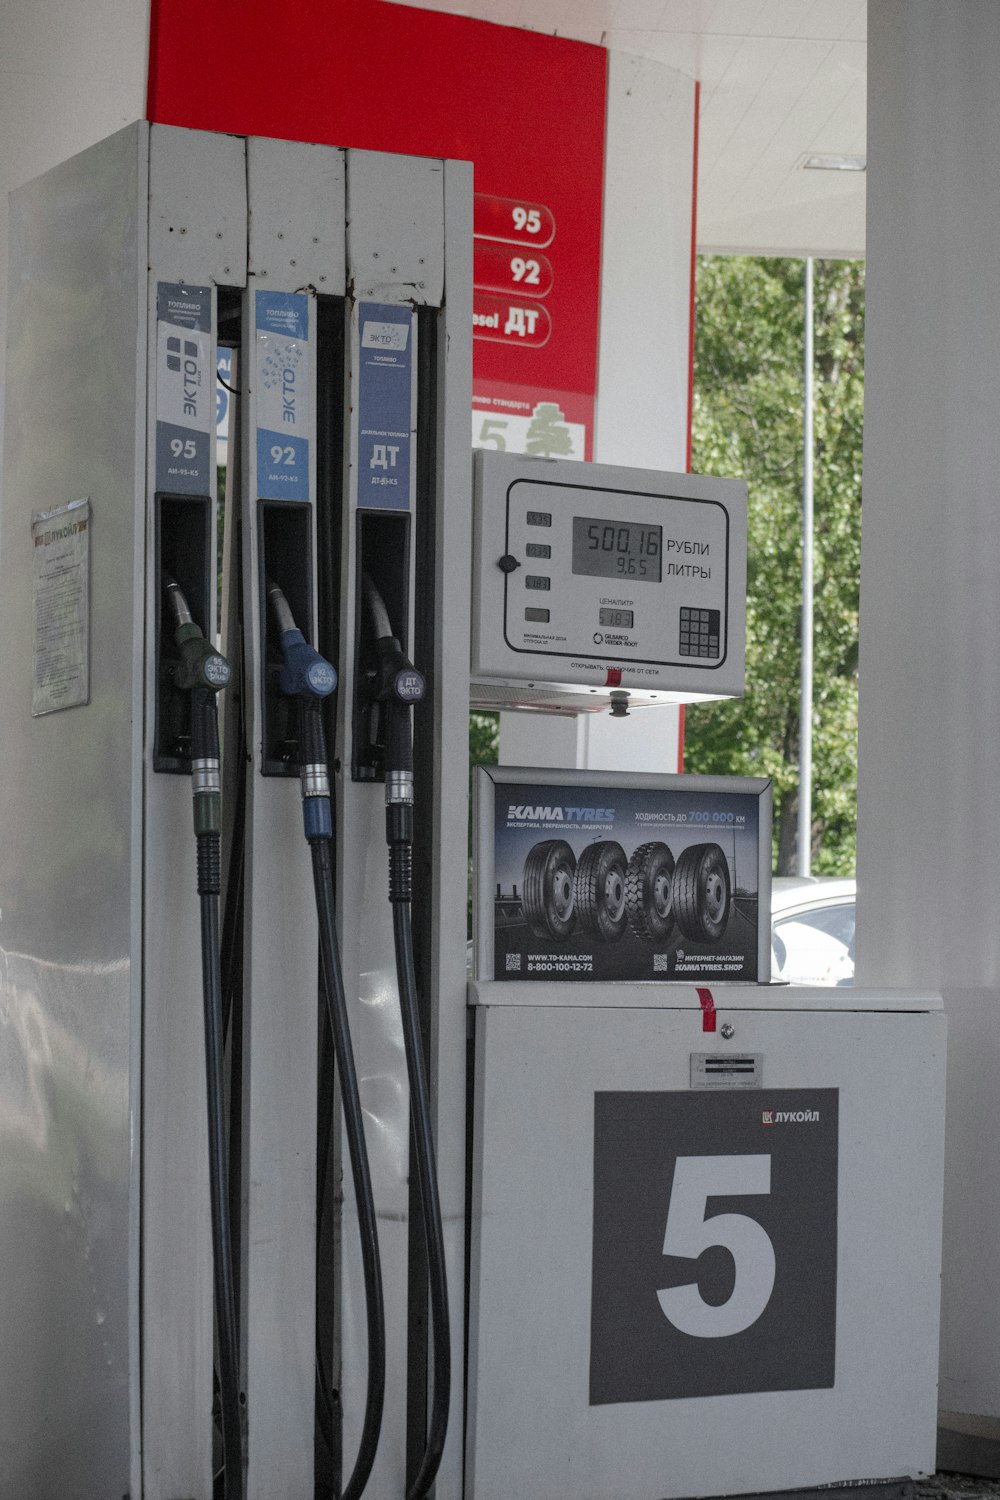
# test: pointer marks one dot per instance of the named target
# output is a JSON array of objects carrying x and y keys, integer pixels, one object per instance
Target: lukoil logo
[{"x": 790, "y": 1116}]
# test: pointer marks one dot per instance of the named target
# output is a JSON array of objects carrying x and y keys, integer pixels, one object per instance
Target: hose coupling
[
  {"x": 398, "y": 787},
  {"x": 314, "y": 780},
  {"x": 205, "y": 776}
]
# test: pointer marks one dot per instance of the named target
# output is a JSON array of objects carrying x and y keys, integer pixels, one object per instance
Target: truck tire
[
  {"x": 649, "y": 892},
  {"x": 702, "y": 897},
  {"x": 600, "y": 891},
  {"x": 548, "y": 896}
]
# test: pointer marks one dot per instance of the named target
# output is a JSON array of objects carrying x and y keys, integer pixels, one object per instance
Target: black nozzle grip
[
  {"x": 204, "y": 725},
  {"x": 312, "y": 750},
  {"x": 399, "y": 738}
]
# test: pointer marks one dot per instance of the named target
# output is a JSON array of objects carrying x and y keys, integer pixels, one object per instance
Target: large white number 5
[{"x": 689, "y": 1232}]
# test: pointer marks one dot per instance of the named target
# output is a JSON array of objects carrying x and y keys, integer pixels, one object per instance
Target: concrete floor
[{"x": 958, "y": 1487}]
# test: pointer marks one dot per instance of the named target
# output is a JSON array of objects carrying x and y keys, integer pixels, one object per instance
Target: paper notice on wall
[{"x": 60, "y": 592}]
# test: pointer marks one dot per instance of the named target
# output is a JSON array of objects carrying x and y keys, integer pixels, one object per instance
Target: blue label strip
[
  {"x": 385, "y": 405},
  {"x": 185, "y": 388},
  {"x": 284, "y": 404}
]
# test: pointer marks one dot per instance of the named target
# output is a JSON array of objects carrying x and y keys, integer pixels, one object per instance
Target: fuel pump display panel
[
  {"x": 605, "y": 578},
  {"x": 604, "y": 548},
  {"x": 623, "y": 586}
]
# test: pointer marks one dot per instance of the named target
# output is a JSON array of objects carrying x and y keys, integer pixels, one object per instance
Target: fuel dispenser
[
  {"x": 239, "y": 1259},
  {"x": 221, "y": 1277}
]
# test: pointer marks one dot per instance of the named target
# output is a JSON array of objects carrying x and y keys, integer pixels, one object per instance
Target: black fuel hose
[
  {"x": 309, "y": 678},
  {"x": 399, "y": 686},
  {"x": 333, "y": 985},
  {"x": 230, "y": 1402},
  {"x": 423, "y": 1140},
  {"x": 203, "y": 671}
]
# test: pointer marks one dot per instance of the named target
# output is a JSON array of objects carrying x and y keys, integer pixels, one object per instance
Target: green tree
[
  {"x": 484, "y": 739},
  {"x": 548, "y": 436},
  {"x": 484, "y": 747},
  {"x": 748, "y": 423}
]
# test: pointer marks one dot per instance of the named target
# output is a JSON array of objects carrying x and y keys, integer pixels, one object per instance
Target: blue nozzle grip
[{"x": 305, "y": 674}]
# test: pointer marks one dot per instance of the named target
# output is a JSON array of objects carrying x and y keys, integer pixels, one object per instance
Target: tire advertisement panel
[{"x": 622, "y": 878}]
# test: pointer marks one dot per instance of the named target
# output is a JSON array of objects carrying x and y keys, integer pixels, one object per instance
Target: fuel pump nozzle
[
  {"x": 398, "y": 686},
  {"x": 308, "y": 677},
  {"x": 200, "y": 664},
  {"x": 204, "y": 672}
]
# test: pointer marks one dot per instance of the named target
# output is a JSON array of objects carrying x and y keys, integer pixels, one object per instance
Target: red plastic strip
[{"x": 707, "y": 1010}]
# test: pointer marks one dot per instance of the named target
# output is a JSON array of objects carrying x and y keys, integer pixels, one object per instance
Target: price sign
[
  {"x": 504, "y": 269},
  {"x": 509, "y": 321},
  {"x": 514, "y": 220},
  {"x": 715, "y": 1243}
]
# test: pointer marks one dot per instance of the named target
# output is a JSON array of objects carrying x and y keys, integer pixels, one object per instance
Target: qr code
[
  {"x": 513, "y": 961},
  {"x": 661, "y": 963}
]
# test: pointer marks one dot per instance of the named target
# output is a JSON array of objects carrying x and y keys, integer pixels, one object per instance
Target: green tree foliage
[
  {"x": 484, "y": 739},
  {"x": 748, "y": 423},
  {"x": 548, "y": 436},
  {"x": 484, "y": 747}
]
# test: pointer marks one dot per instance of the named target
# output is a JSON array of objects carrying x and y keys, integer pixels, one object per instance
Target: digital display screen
[
  {"x": 617, "y": 549},
  {"x": 620, "y": 617},
  {"x": 539, "y": 518},
  {"x": 537, "y": 581},
  {"x": 536, "y": 616},
  {"x": 538, "y": 549}
]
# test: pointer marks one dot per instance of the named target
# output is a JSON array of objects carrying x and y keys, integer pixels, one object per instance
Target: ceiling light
[{"x": 834, "y": 163}]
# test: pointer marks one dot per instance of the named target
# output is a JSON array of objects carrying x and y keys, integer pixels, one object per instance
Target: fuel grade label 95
[{"x": 185, "y": 388}]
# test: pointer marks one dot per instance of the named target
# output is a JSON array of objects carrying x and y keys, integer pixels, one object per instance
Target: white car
[{"x": 812, "y": 929}]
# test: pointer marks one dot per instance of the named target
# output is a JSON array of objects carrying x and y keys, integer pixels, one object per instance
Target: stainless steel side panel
[
  {"x": 296, "y": 200},
  {"x": 395, "y": 230},
  {"x": 70, "y": 834},
  {"x": 451, "y": 710},
  {"x": 197, "y": 206},
  {"x": 298, "y": 234},
  {"x": 197, "y": 219},
  {"x": 364, "y": 916},
  {"x": 409, "y": 234}
]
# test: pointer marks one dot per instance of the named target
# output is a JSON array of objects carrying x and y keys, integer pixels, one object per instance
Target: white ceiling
[{"x": 780, "y": 79}]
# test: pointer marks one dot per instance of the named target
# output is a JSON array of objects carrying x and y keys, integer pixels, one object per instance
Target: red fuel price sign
[
  {"x": 501, "y": 268},
  {"x": 513, "y": 220}
]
